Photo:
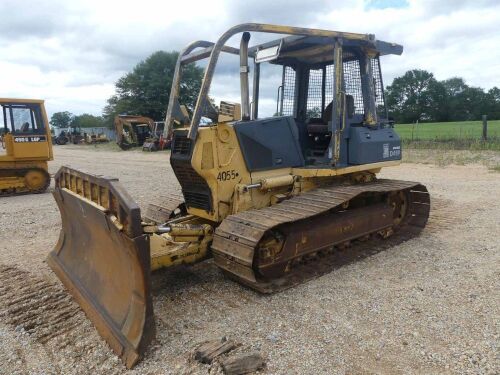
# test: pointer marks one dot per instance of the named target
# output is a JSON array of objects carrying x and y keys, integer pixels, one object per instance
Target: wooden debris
[
  {"x": 243, "y": 363},
  {"x": 207, "y": 352}
]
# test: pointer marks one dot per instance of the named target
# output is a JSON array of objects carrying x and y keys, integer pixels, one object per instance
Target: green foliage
[
  {"x": 410, "y": 97},
  {"x": 61, "y": 119},
  {"x": 314, "y": 112},
  {"x": 146, "y": 89},
  {"x": 88, "y": 121},
  {"x": 418, "y": 96}
]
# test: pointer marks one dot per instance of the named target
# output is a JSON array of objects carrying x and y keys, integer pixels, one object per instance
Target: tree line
[
  {"x": 415, "y": 96},
  {"x": 419, "y": 96},
  {"x": 67, "y": 119}
]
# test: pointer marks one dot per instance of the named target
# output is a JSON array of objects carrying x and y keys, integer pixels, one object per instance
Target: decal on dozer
[{"x": 102, "y": 258}]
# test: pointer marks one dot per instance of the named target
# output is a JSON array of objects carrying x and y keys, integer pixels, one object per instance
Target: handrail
[{"x": 174, "y": 90}]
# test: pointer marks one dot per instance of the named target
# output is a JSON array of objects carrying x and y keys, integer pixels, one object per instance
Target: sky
[{"x": 71, "y": 53}]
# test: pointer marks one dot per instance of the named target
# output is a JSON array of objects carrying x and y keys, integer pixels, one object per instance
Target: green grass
[
  {"x": 464, "y": 135},
  {"x": 447, "y": 130},
  {"x": 445, "y": 143}
]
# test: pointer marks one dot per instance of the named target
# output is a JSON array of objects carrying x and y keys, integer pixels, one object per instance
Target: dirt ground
[{"x": 427, "y": 306}]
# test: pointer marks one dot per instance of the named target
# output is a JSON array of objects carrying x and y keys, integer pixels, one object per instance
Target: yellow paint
[
  {"x": 24, "y": 155},
  {"x": 223, "y": 167}
]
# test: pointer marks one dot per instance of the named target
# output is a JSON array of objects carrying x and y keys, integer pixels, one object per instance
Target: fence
[{"x": 462, "y": 135}]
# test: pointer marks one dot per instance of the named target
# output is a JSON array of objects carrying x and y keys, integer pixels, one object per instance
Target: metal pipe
[
  {"x": 164, "y": 229},
  {"x": 176, "y": 83},
  {"x": 253, "y": 186},
  {"x": 245, "y": 93},
  {"x": 272, "y": 183},
  {"x": 181, "y": 229},
  {"x": 256, "y": 89}
]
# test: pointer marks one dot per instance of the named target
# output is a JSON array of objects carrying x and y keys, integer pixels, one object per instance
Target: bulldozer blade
[{"x": 103, "y": 259}]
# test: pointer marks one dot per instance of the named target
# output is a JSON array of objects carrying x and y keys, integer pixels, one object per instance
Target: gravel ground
[{"x": 427, "y": 306}]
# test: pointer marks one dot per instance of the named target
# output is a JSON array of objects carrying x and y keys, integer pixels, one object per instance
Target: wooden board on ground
[{"x": 243, "y": 363}]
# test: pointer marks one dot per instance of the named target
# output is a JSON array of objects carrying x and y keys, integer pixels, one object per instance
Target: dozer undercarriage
[
  {"x": 262, "y": 248},
  {"x": 24, "y": 180},
  {"x": 275, "y": 200}
]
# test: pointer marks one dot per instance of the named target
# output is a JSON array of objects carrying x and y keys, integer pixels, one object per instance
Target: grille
[
  {"x": 288, "y": 95},
  {"x": 379, "y": 88},
  {"x": 315, "y": 106},
  {"x": 329, "y": 72},
  {"x": 196, "y": 192},
  {"x": 188, "y": 177},
  {"x": 352, "y": 82},
  {"x": 197, "y": 200},
  {"x": 181, "y": 144}
]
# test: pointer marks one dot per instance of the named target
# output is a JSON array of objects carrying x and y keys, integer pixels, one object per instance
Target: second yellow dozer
[
  {"x": 270, "y": 199},
  {"x": 25, "y": 146}
]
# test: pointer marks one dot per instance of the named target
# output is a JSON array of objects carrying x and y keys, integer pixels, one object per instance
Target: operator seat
[
  {"x": 319, "y": 126},
  {"x": 318, "y": 129},
  {"x": 25, "y": 127}
]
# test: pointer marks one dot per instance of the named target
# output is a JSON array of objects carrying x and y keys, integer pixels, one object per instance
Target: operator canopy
[{"x": 301, "y": 46}]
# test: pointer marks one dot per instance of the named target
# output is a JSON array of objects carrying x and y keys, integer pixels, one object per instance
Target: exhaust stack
[{"x": 245, "y": 92}]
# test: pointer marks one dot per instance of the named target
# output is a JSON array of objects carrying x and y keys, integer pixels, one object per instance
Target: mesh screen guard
[{"x": 321, "y": 86}]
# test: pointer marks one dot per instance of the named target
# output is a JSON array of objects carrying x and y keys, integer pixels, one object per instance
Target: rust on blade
[{"x": 103, "y": 259}]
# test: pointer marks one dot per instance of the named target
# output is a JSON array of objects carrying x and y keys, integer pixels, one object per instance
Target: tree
[
  {"x": 146, "y": 89},
  {"x": 438, "y": 102},
  {"x": 417, "y": 95},
  {"x": 314, "y": 112},
  {"x": 493, "y": 103},
  {"x": 453, "y": 87},
  {"x": 470, "y": 104},
  {"x": 87, "y": 121},
  {"x": 61, "y": 119},
  {"x": 409, "y": 98}
]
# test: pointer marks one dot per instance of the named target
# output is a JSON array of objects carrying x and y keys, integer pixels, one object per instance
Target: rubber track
[{"x": 237, "y": 237}]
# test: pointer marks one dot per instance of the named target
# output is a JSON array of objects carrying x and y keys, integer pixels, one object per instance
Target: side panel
[
  {"x": 209, "y": 170},
  {"x": 270, "y": 143},
  {"x": 31, "y": 146},
  {"x": 373, "y": 145}
]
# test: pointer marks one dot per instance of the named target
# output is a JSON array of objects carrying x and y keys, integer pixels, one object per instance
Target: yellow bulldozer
[
  {"x": 270, "y": 199},
  {"x": 26, "y": 146}
]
